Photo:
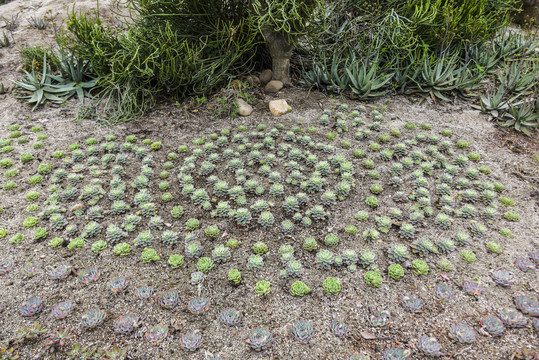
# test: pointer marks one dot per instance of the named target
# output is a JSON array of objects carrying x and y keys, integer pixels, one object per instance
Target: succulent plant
[
  {"x": 156, "y": 333},
  {"x": 395, "y": 271},
  {"x": 126, "y": 324},
  {"x": 534, "y": 256},
  {"x": 412, "y": 303},
  {"x": 325, "y": 259},
  {"x": 524, "y": 264},
  {"x": 144, "y": 292},
  {"x": 199, "y": 305},
  {"x": 230, "y": 317},
  {"x": 31, "y": 306},
  {"x": 502, "y": 278},
  {"x": 260, "y": 338},
  {"x": 429, "y": 346},
  {"x": 529, "y": 305},
  {"x": 60, "y": 273},
  {"x": 472, "y": 288},
  {"x": 373, "y": 278},
  {"x": 462, "y": 333},
  {"x": 371, "y": 235},
  {"x": 302, "y": 330},
  {"x": 443, "y": 292},
  {"x": 88, "y": 275},
  {"x": 468, "y": 256},
  {"x": 191, "y": 341},
  {"x": 169, "y": 299},
  {"x": 420, "y": 267},
  {"x": 396, "y": 354},
  {"x": 493, "y": 247},
  {"x": 493, "y": 325},
  {"x": 262, "y": 288},
  {"x": 358, "y": 356},
  {"x": 398, "y": 253},
  {"x": 332, "y": 286},
  {"x": 407, "y": 231},
  {"x": 117, "y": 285},
  {"x": 93, "y": 318},
  {"x": 526, "y": 354},
  {"x": 512, "y": 317},
  {"x": 298, "y": 288}
]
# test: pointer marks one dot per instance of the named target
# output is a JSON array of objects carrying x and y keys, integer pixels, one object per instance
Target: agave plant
[
  {"x": 494, "y": 104},
  {"x": 38, "y": 87},
  {"x": 522, "y": 117},
  {"x": 365, "y": 80}
]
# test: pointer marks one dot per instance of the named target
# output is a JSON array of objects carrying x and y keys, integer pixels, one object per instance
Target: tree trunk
[{"x": 280, "y": 50}]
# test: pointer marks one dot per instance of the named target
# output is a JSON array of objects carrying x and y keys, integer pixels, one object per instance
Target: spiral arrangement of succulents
[{"x": 197, "y": 203}]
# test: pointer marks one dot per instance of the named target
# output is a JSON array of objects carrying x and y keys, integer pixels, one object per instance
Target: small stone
[
  {"x": 273, "y": 86},
  {"x": 244, "y": 109},
  {"x": 253, "y": 81},
  {"x": 265, "y": 76},
  {"x": 279, "y": 107}
]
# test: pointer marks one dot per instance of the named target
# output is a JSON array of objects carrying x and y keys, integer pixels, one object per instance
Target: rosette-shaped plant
[
  {"x": 528, "y": 305},
  {"x": 169, "y": 299},
  {"x": 302, "y": 330},
  {"x": 144, "y": 292},
  {"x": 93, "y": 318},
  {"x": 429, "y": 346},
  {"x": 259, "y": 339},
  {"x": 396, "y": 354},
  {"x": 62, "y": 309},
  {"x": 31, "y": 306},
  {"x": 156, "y": 333},
  {"x": 524, "y": 264},
  {"x": 502, "y": 278},
  {"x": 117, "y": 285},
  {"x": 230, "y": 317},
  {"x": 191, "y": 341},
  {"x": 380, "y": 318},
  {"x": 443, "y": 292},
  {"x": 395, "y": 271},
  {"x": 472, "y": 288},
  {"x": 373, "y": 278},
  {"x": 125, "y": 324},
  {"x": 412, "y": 303},
  {"x": 462, "y": 333},
  {"x": 398, "y": 253},
  {"x": 199, "y": 305},
  {"x": 493, "y": 325},
  {"x": 512, "y": 317},
  {"x": 332, "y": 286},
  {"x": 60, "y": 273}
]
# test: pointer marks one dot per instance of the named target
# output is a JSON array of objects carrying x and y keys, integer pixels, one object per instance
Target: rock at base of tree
[
  {"x": 265, "y": 76},
  {"x": 279, "y": 107},
  {"x": 244, "y": 109},
  {"x": 273, "y": 86}
]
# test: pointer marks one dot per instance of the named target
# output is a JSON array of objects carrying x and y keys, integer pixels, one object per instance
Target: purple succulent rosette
[
  {"x": 6, "y": 265},
  {"x": 169, "y": 299},
  {"x": 443, "y": 292},
  {"x": 93, "y": 318},
  {"x": 89, "y": 275},
  {"x": 30, "y": 270},
  {"x": 60, "y": 273},
  {"x": 493, "y": 325},
  {"x": 260, "y": 338},
  {"x": 472, "y": 288},
  {"x": 230, "y": 317},
  {"x": 191, "y": 341},
  {"x": 62, "y": 309},
  {"x": 524, "y": 264},
  {"x": 512, "y": 317},
  {"x": 528, "y": 305},
  {"x": 302, "y": 330},
  {"x": 126, "y": 324},
  {"x": 156, "y": 334},
  {"x": 380, "y": 318},
  {"x": 429, "y": 346},
  {"x": 412, "y": 303},
  {"x": 535, "y": 323},
  {"x": 31, "y": 306},
  {"x": 396, "y": 354},
  {"x": 462, "y": 333},
  {"x": 339, "y": 328},
  {"x": 144, "y": 292},
  {"x": 117, "y": 285},
  {"x": 502, "y": 278},
  {"x": 199, "y": 305}
]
